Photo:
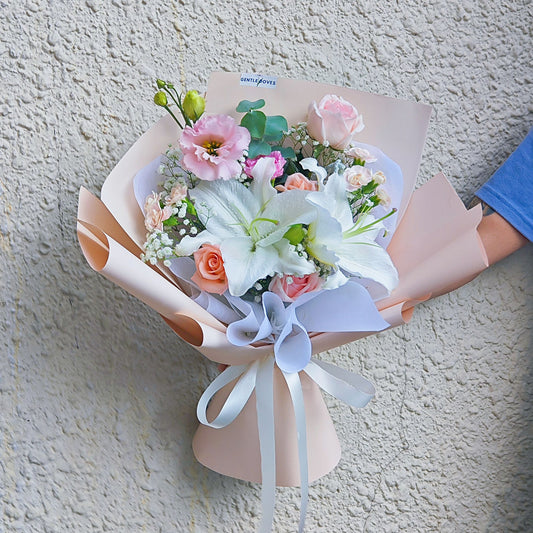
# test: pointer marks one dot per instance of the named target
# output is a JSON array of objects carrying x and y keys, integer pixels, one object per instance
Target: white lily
[
  {"x": 249, "y": 224},
  {"x": 311, "y": 164},
  {"x": 334, "y": 239}
]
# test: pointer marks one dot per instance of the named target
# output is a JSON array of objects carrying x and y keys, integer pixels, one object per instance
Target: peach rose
[
  {"x": 289, "y": 288},
  {"x": 298, "y": 181},
  {"x": 210, "y": 275},
  {"x": 333, "y": 121}
]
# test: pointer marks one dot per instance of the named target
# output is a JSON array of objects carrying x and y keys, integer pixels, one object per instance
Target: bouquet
[{"x": 272, "y": 237}]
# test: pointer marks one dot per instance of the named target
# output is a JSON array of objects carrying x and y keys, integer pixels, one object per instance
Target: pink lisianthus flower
[
  {"x": 279, "y": 162},
  {"x": 298, "y": 181},
  {"x": 333, "y": 122},
  {"x": 210, "y": 274},
  {"x": 153, "y": 214},
  {"x": 289, "y": 288},
  {"x": 212, "y": 147}
]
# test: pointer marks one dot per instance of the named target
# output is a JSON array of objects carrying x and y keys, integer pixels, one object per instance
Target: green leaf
[
  {"x": 190, "y": 207},
  {"x": 171, "y": 221},
  {"x": 254, "y": 122},
  {"x": 369, "y": 187},
  {"x": 245, "y": 105},
  {"x": 286, "y": 151},
  {"x": 318, "y": 150},
  {"x": 258, "y": 148},
  {"x": 291, "y": 167},
  {"x": 275, "y": 127},
  {"x": 273, "y": 138}
]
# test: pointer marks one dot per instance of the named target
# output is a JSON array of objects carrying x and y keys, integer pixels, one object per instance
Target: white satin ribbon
[
  {"x": 351, "y": 388},
  {"x": 297, "y": 397}
]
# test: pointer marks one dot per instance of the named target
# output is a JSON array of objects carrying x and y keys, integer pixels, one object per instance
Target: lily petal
[
  {"x": 261, "y": 186},
  {"x": 287, "y": 208},
  {"x": 245, "y": 263},
  {"x": 311, "y": 164},
  {"x": 368, "y": 260},
  {"x": 188, "y": 245},
  {"x": 226, "y": 208}
]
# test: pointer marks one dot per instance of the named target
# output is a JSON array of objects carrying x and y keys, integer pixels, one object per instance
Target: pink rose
[
  {"x": 333, "y": 121},
  {"x": 298, "y": 181},
  {"x": 279, "y": 162},
  {"x": 289, "y": 288},
  {"x": 213, "y": 146},
  {"x": 210, "y": 275},
  {"x": 356, "y": 177},
  {"x": 153, "y": 214}
]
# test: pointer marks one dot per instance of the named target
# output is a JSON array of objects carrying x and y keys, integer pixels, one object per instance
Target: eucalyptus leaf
[
  {"x": 254, "y": 122},
  {"x": 276, "y": 124},
  {"x": 286, "y": 151},
  {"x": 258, "y": 148},
  {"x": 246, "y": 105}
]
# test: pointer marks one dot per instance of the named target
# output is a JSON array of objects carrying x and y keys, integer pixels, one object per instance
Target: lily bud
[
  {"x": 193, "y": 105},
  {"x": 160, "y": 98}
]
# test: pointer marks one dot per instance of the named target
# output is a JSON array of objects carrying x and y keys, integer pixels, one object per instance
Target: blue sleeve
[{"x": 510, "y": 190}]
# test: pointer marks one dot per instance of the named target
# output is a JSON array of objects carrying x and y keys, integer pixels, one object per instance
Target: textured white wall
[{"x": 97, "y": 395}]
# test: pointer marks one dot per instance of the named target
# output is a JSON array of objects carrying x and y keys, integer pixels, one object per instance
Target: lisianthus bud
[
  {"x": 160, "y": 83},
  {"x": 193, "y": 105},
  {"x": 160, "y": 98}
]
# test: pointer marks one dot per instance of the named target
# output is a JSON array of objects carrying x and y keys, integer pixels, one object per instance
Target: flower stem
[{"x": 173, "y": 116}]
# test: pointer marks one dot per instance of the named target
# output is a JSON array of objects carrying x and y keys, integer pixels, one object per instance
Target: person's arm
[
  {"x": 510, "y": 194},
  {"x": 499, "y": 238}
]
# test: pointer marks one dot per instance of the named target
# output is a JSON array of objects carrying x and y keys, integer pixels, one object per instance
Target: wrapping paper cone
[
  {"x": 435, "y": 248},
  {"x": 234, "y": 450}
]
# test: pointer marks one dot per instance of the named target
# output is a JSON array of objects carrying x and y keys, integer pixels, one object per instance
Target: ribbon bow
[
  {"x": 258, "y": 375},
  {"x": 348, "y": 308}
]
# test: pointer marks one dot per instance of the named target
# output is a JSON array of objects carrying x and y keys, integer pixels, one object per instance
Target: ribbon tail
[
  {"x": 346, "y": 386},
  {"x": 264, "y": 389},
  {"x": 295, "y": 389}
]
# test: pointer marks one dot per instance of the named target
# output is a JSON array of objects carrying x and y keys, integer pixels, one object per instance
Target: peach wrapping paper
[{"x": 435, "y": 249}]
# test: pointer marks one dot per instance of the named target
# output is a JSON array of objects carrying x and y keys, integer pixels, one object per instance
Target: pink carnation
[
  {"x": 289, "y": 288},
  {"x": 177, "y": 194},
  {"x": 153, "y": 214},
  {"x": 279, "y": 162},
  {"x": 212, "y": 147}
]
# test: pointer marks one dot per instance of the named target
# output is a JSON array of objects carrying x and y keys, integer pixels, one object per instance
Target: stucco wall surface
[{"x": 97, "y": 395}]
